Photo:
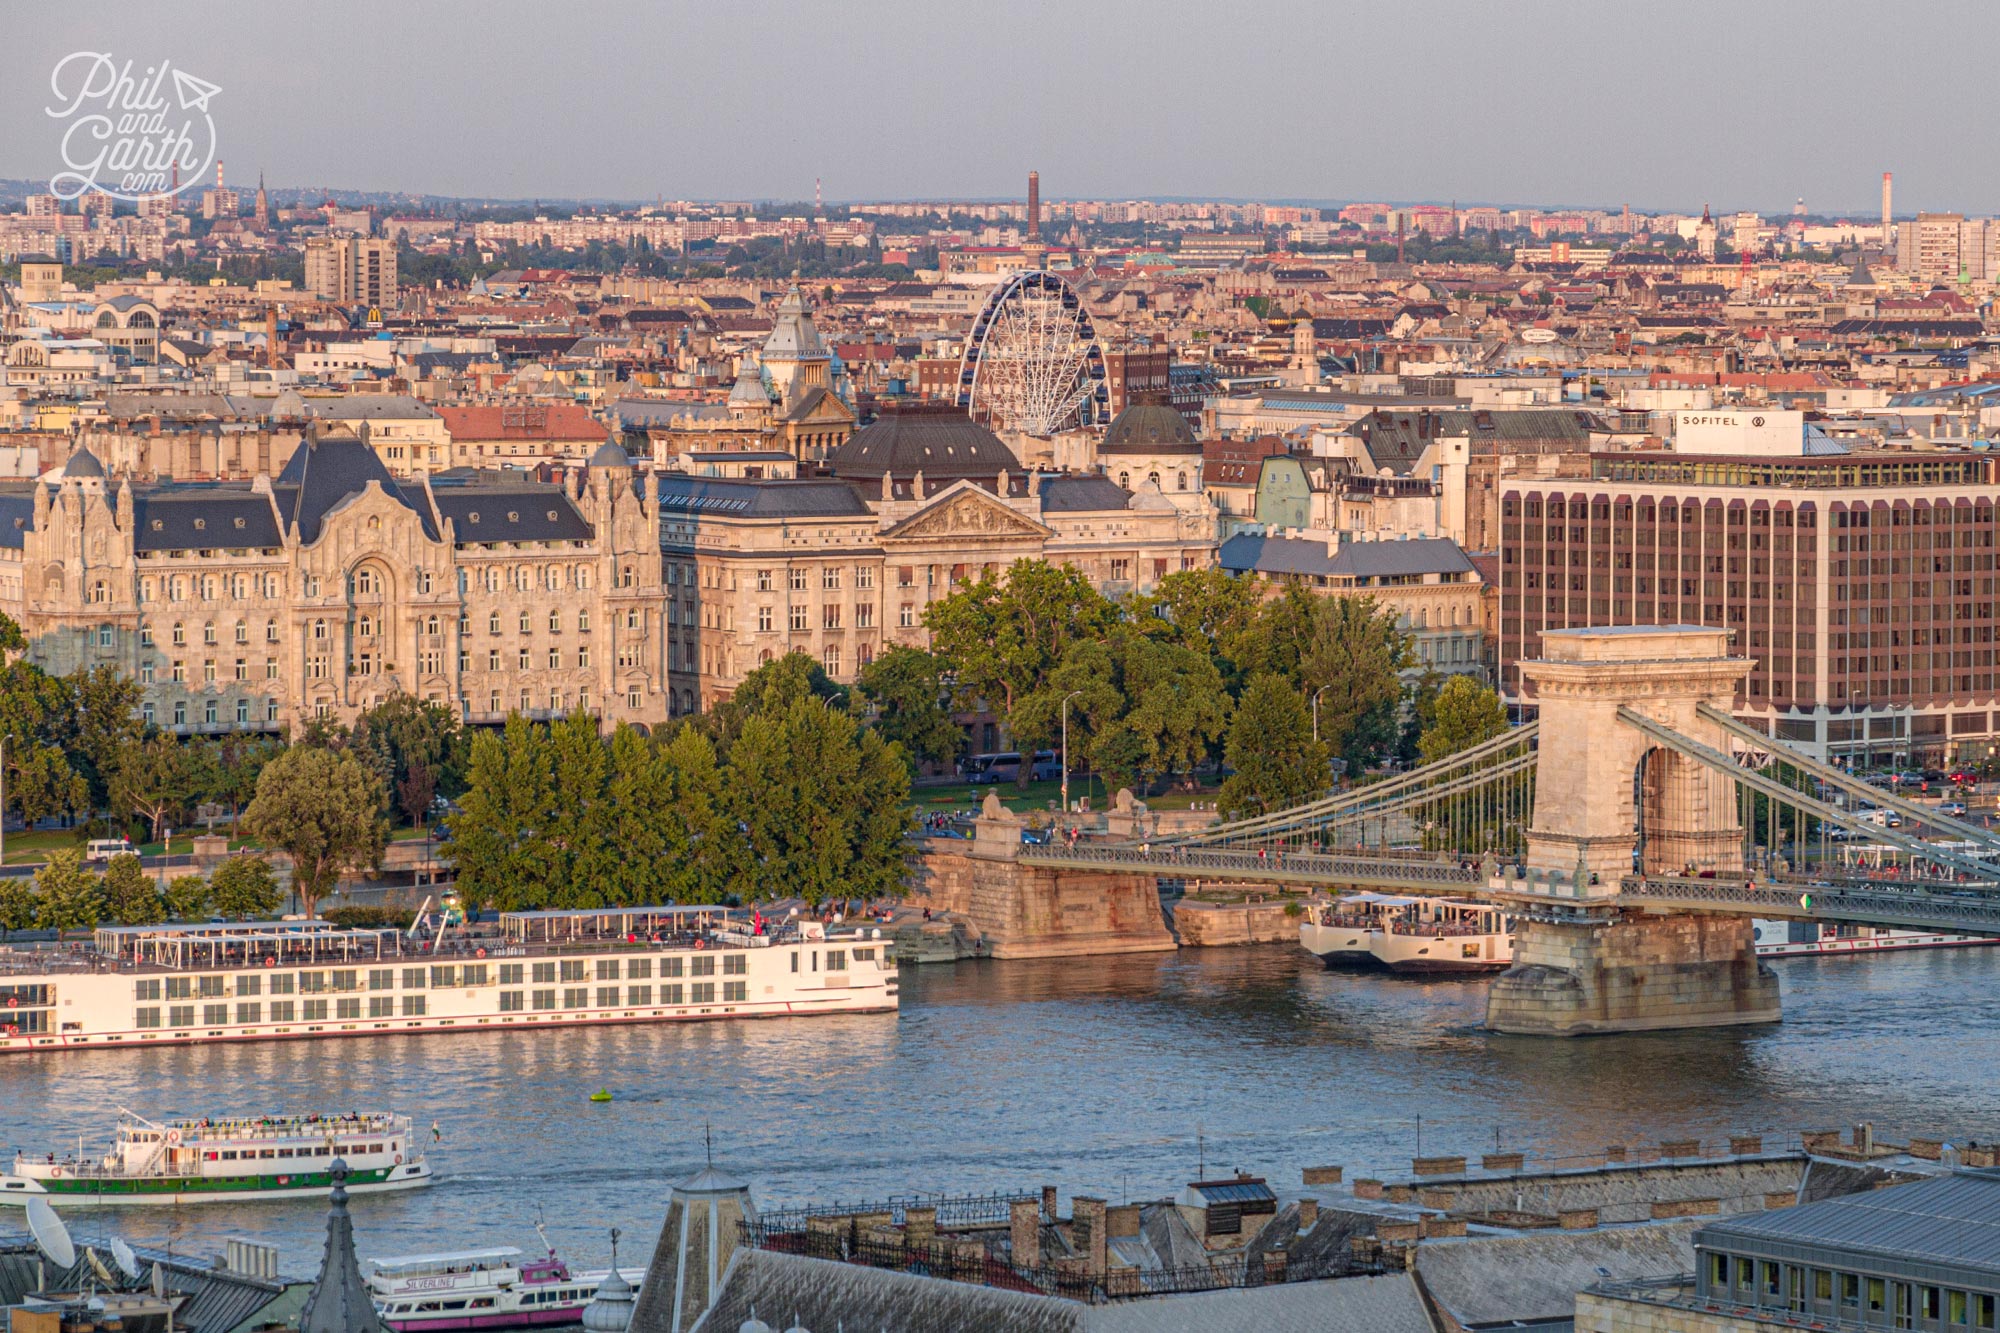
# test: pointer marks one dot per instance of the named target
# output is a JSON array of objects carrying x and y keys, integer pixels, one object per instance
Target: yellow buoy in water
[{"x": 601, "y": 1095}]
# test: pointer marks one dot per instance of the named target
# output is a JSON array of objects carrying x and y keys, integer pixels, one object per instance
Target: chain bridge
[{"x": 1635, "y": 826}]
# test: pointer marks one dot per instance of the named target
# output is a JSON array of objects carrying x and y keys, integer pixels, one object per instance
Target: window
[
  {"x": 638, "y": 968},
  {"x": 545, "y": 999},
  {"x": 283, "y": 1011},
  {"x": 527, "y": 626},
  {"x": 314, "y": 1011},
  {"x": 735, "y": 964},
  {"x": 829, "y": 578},
  {"x": 607, "y": 969},
  {"x": 907, "y": 617},
  {"x": 555, "y": 622},
  {"x": 511, "y": 1001},
  {"x": 607, "y": 997},
  {"x": 576, "y": 997},
  {"x": 180, "y": 1015},
  {"x": 382, "y": 978},
  {"x": 573, "y": 969},
  {"x": 864, "y": 577},
  {"x": 638, "y": 995},
  {"x": 555, "y": 659},
  {"x": 414, "y": 978},
  {"x": 764, "y": 619},
  {"x": 701, "y": 992},
  {"x": 381, "y": 1006},
  {"x": 763, "y": 580},
  {"x": 347, "y": 1006},
  {"x": 702, "y": 965},
  {"x": 672, "y": 967},
  {"x": 214, "y": 1015},
  {"x": 544, "y": 973},
  {"x": 735, "y": 992},
  {"x": 672, "y": 994},
  {"x": 798, "y": 617},
  {"x": 413, "y": 1005},
  {"x": 148, "y": 1018},
  {"x": 836, "y": 960}
]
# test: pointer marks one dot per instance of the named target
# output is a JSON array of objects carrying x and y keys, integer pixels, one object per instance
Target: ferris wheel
[{"x": 1032, "y": 362}]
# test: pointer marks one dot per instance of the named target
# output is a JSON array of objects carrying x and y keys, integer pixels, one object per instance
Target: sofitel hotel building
[{"x": 1861, "y": 585}]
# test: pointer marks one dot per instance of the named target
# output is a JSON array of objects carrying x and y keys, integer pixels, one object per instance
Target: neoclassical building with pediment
[
  {"x": 842, "y": 565},
  {"x": 256, "y": 605}
]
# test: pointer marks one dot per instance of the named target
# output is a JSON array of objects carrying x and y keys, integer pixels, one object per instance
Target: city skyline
[{"x": 773, "y": 111}]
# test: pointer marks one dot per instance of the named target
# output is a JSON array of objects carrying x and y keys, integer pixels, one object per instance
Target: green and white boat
[{"x": 199, "y": 1161}]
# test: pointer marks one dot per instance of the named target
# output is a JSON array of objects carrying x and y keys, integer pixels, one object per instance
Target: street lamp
[
  {"x": 1065, "y": 742},
  {"x": 1316, "y": 694}
]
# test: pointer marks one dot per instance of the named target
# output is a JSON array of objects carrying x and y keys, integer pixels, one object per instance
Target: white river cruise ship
[{"x": 259, "y": 981}]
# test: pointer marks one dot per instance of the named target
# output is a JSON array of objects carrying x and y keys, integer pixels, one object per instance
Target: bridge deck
[{"x": 1968, "y": 910}]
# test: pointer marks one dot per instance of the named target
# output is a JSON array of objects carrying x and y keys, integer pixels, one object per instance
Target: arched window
[
  {"x": 141, "y": 319},
  {"x": 100, "y": 591},
  {"x": 626, "y": 577},
  {"x": 107, "y": 319},
  {"x": 242, "y": 632},
  {"x": 631, "y": 619},
  {"x": 319, "y": 629},
  {"x": 365, "y": 627},
  {"x": 1180, "y": 481},
  {"x": 431, "y": 625},
  {"x": 1125, "y": 480},
  {"x": 364, "y": 580}
]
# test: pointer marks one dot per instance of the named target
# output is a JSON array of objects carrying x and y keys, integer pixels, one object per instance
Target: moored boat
[
  {"x": 233, "y": 1159},
  {"x": 480, "y": 1289},
  {"x": 1409, "y": 934}
]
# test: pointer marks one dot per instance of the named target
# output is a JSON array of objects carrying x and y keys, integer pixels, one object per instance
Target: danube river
[{"x": 1094, "y": 1074}]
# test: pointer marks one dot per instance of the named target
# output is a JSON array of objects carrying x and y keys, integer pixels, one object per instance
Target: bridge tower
[
  {"x": 1605, "y": 791},
  {"x": 1609, "y": 798}
]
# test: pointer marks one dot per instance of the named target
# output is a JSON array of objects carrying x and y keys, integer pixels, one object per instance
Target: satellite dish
[
  {"x": 49, "y": 1232},
  {"x": 99, "y": 1267},
  {"x": 128, "y": 1262}
]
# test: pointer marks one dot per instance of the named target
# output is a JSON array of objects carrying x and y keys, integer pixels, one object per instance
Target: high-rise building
[
  {"x": 1942, "y": 245},
  {"x": 352, "y": 270}
]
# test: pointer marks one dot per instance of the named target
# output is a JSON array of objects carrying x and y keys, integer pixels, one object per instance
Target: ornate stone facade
[{"x": 253, "y": 605}]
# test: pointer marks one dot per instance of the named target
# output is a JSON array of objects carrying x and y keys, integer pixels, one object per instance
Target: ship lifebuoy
[
  {"x": 173, "y": 1136},
  {"x": 270, "y": 962},
  {"x": 701, "y": 944},
  {"x": 13, "y": 1002},
  {"x": 55, "y": 1172},
  {"x": 479, "y": 953},
  {"x": 399, "y": 1159}
]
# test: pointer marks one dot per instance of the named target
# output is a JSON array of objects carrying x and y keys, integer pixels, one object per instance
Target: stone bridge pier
[{"x": 1609, "y": 802}]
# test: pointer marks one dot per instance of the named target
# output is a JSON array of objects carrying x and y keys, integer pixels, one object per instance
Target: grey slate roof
[
  {"x": 1304, "y": 556},
  {"x": 370, "y": 407},
  {"x": 1149, "y": 428},
  {"x": 940, "y": 442},
  {"x": 17, "y": 514},
  {"x": 191, "y": 515},
  {"x": 806, "y": 498},
  {"x": 482, "y": 510},
  {"x": 340, "y": 1301},
  {"x": 218, "y": 1300},
  {"x": 1501, "y": 1279},
  {"x": 1952, "y": 1219},
  {"x": 321, "y": 473},
  {"x": 782, "y": 1290},
  {"x": 1082, "y": 495}
]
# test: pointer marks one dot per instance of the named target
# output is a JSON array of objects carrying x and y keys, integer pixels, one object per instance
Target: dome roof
[
  {"x": 610, "y": 454},
  {"x": 936, "y": 440},
  {"x": 83, "y": 463},
  {"x": 1144, "y": 427},
  {"x": 748, "y": 391}
]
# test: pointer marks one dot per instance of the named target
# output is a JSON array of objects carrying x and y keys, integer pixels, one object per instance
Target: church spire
[{"x": 339, "y": 1301}]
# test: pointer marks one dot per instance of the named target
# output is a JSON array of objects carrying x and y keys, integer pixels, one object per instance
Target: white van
[{"x": 104, "y": 849}]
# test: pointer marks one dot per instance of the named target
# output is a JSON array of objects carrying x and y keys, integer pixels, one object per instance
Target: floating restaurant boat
[
  {"x": 143, "y": 985},
  {"x": 1409, "y": 934},
  {"x": 480, "y": 1289},
  {"x": 197, "y": 1161}
]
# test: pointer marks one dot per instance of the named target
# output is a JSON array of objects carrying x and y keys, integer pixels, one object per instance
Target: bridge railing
[{"x": 1415, "y": 868}]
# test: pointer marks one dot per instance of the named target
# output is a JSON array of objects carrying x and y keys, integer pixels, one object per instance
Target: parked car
[
  {"x": 104, "y": 849},
  {"x": 1954, "y": 809}
]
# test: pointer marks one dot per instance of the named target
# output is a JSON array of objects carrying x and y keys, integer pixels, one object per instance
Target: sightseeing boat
[
  {"x": 197, "y": 1161},
  {"x": 260, "y": 981},
  {"x": 1790, "y": 939},
  {"x": 479, "y": 1289},
  {"x": 1409, "y": 934}
]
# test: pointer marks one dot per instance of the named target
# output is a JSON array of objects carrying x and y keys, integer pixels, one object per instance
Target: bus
[{"x": 1006, "y": 767}]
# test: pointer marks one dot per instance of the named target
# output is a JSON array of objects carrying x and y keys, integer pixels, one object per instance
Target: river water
[{"x": 1109, "y": 1076}]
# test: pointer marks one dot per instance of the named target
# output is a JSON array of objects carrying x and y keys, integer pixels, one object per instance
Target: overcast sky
[{"x": 1663, "y": 106}]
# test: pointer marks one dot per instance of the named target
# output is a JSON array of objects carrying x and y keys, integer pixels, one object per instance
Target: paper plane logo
[{"x": 123, "y": 133}]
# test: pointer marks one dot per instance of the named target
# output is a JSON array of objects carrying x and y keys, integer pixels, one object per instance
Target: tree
[
  {"x": 579, "y": 833},
  {"x": 770, "y": 690},
  {"x": 70, "y": 897},
  {"x": 156, "y": 779},
  {"x": 1277, "y": 762},
  {"x": 129, "y": 893},
  {"x": 421, "y": 747},
  {"x": 244, "y": 887},
  {"x": 1002, "y": 637},
  {"x": 906, "y": 686},
  {"x": 187, "y": 897},
  {"x": 499, "y": 838},
  {"x": 701, "y": 847},
  {"x": 1175, "y": 706},
  {"x": 1463, "y": 714},
  {"x": 103, "y": 715},
  {"x": 18, "y": 901},
  {"x": 324, "y": 810},
  {"x": 1208, "y": 610},
  {"x": 1355, "y": 654},
  {"x": 821, "y": 805}
]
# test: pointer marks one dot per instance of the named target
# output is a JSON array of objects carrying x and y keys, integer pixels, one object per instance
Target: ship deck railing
[{"x": 397, "y": 948}]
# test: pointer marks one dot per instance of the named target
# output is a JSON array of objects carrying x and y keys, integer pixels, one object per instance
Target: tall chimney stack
[
  {"x": 1887, "y": 213},
  {"x": 1034, "y": 206}
]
